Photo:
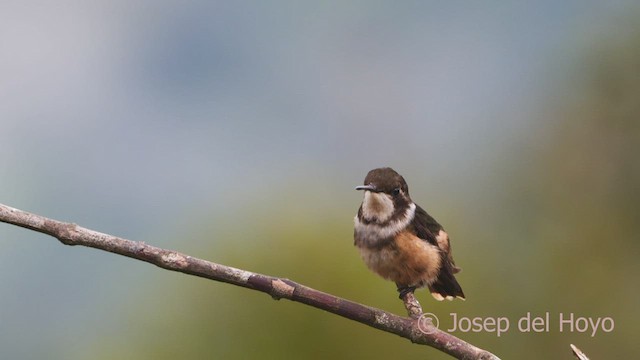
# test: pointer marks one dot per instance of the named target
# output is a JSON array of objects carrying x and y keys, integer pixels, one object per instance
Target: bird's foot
[{"x": 403, "y": 291}]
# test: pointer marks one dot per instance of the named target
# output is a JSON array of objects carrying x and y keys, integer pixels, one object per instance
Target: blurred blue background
[{"x": 236, "y": 132}]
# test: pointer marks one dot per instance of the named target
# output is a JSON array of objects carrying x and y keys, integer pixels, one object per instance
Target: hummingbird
[{"x": 400, "y": 241}]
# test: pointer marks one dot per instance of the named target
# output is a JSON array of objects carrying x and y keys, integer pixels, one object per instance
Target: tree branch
[{"x": 419, "y": 331}]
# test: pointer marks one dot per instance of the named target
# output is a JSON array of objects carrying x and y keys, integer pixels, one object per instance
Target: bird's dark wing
[
  {"x": 428, "y": 228},
  {"x": 425, "y": 226}
]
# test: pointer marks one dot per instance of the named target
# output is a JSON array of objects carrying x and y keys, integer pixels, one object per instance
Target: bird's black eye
[{"x": 395, "y": 192}]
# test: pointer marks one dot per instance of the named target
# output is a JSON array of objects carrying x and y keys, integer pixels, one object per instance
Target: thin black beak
[{"x": 366, "y": 187}]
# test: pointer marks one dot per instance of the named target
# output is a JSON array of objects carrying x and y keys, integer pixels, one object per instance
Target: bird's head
[{"x": 386, "y": 197}]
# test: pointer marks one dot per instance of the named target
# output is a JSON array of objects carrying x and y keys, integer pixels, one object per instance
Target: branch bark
[{"x": 419, "y": 331}]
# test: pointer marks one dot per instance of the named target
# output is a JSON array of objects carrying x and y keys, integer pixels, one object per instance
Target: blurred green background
[{"x": 236, "y": 132}]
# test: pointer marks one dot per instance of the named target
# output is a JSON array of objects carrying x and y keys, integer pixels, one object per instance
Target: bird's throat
[{"x": 377, "y": 207}]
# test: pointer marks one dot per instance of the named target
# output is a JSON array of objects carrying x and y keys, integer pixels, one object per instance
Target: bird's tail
[{"x": 446, "y": 286}]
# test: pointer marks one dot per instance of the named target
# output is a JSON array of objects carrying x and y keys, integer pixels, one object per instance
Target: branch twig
[
  {"x": 578, "y": 353},
  {"x": 417, "y": 331}
]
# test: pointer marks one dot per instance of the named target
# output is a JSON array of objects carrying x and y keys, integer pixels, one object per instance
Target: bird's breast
[{"x": 405, "y": 259}]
